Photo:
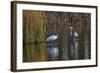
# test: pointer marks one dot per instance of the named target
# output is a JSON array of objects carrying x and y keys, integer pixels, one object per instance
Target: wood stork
[
  {"x": 51, "y": 38},
  {"x": 75, "y": 33}
]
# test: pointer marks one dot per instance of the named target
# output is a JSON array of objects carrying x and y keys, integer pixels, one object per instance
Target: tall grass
[
  {"x": 38, "y": 24},
  {"x": 34, "y": 29}
]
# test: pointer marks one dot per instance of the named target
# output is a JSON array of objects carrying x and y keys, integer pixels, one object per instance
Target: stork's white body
[{"x": 51, "y": 38}]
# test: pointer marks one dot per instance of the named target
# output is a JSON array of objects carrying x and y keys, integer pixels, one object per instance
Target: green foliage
[{"x": 38, "y": 24}]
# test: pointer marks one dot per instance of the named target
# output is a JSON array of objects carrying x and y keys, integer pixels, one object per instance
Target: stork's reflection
[{"x": 53, "y": 52}]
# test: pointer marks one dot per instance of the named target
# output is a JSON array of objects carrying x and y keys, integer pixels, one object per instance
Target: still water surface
[{"x": 35, "y": 52}]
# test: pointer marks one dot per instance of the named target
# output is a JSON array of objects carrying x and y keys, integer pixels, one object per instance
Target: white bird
[{"x": 51, "y": 38}]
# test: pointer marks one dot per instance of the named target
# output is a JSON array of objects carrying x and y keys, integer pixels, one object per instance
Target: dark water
[{"x": 42, "y": 51}]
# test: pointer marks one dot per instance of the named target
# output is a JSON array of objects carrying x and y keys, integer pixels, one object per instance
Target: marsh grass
[{"x": 38, "y": 24}]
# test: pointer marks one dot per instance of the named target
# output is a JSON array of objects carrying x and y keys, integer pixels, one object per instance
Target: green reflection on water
[{"x": 41, "y": 51}]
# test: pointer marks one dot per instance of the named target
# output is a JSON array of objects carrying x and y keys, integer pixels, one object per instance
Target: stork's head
[{"x": 71, "y": 28}]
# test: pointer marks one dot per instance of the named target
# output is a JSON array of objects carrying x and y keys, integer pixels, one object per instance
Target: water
[{"x": 42, "y": 51}]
